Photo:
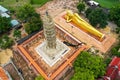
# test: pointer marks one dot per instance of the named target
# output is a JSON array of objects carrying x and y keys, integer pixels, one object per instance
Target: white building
[
  {"x": 3, "y": 12},
  {"x": 93, "y": 3}
]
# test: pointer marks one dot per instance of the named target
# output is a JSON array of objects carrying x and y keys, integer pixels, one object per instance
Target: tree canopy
[
  {"x": 31, "y": 2},
  {"x": 39, "y": 78},
  {"x": 90, "y": 66},
  {"x": 5, "y": 42},
  {"x": 97, "y": 17},
  {"x": 115, "y": 50},
  {"x": 25, "y": 12},
  {"x": 17, "y": 34},
  {"x": 83, "y": 74},
  {"x": 81, "y": 7},
  {"x": 4, "y": 24},
  {"x": 34, "y": 22},
  {"x": 88, "y": 11},
  {"x": 115, "y": 14}
]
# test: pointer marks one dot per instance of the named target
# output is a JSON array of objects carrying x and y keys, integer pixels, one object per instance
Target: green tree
[
  {"x": 115, "y": 14},
  {"x": 81, "y": 7},
  {"x": 4, "y": 24},
  {"x": 39, "y": 78},
  {"x": 27, "y": 28},
  {"x": 98, "y": 17},
  {"x": 5, "y": 42},
  {"x": 82, "y": 74},
  {"x": 115, "y": 51},
  {"x": 17, "y": 0},
  {"x": 31, "y": 1},
  {"x": 118, "y": 30},
  {"x": 94, "y": 64},
  {"x": 88, "y": 11},
  {"x": 12, "y": 10},
  {"x": 34, "y": 24},
  {"x": 107, "y": 61},
  {"x": 17, "y": 34},
  {"x": 25, "y": 12}
]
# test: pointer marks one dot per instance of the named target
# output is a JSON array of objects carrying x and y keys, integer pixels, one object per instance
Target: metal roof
[
  {"x": 5, "y": 15},
  {"x": 2, "y": 9},
  {"x": 14, "y": 22}
]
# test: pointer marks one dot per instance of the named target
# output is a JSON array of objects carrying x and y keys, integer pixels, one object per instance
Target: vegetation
[
  {"x": 5, "y": 42},
  {"x": 108, "y": 60},
  {"x": 118, "y": 30},
  {"x": 39, "y": 78},
  {"x": 31, "y": 1},
  {"x": 28, "y": 14},
  {"x": 83, "y": 74},
  {"x": 33, "y": 25},
  {"x": 88, "y": 11},
  {"x": 17, "y": 34},
  {"x": 97, "y": 18},
  {"x": 88, "y": 66},
  {"x": 25, "y": 12},
  {"x": 81, "y": 7},
  {"x": 13, "y": 3},
  {"x": 114, "y": 51},
  {"x": 40, "y": 2},
  {"x": 115, "y": 14},
  {"x": 18, "y": 3},
  {"x": 4, "y": 24},
  {"x": 110, "y": 3}
]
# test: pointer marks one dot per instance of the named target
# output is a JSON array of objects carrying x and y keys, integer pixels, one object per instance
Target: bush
[
  {"x": 88, "y": 64},
  {"x": 108, "y": 60},
  {"x": 88, "y": 11},
  {"x": 81, "y": 7},
  {"x": 115, "y": 52},
  {"x": 5, "y": 42}
]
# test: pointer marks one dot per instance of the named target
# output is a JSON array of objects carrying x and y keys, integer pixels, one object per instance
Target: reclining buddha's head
[{"x": 69, "y": 13}]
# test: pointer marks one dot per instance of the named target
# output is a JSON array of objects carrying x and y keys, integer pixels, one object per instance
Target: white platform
[{"x": 51, "y": 56}]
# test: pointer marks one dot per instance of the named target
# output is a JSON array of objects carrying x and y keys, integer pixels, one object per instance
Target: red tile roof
[
  {"x": 113, "y": 69},
  {"x": 3, "y": 76}
]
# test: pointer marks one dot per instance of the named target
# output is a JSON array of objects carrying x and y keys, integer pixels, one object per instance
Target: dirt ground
[
  {"x": 57, "y": 6},
  {"x": 5, "y": 56}
]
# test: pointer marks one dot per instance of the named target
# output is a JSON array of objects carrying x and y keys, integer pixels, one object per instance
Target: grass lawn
[
  {"x": 40, "y": 2},
  {"x": 15, "y": 5},
  {"x": 108, "y": 3}
]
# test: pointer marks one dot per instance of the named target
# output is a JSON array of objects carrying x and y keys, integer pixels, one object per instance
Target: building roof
[
  {"x": 113, "y": 69},
  {"x": 93, "y": 3},
  {"x": 2, "y": 9},
  {"x": 115, "y": 62},
  {"x": 5, "y": 15},
  {"x": 3, "y": 75},
  {"x": 14, "y": 22}
]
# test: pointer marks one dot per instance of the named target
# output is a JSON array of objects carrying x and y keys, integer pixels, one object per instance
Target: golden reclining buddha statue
[{"x": 82, "y": 24}]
